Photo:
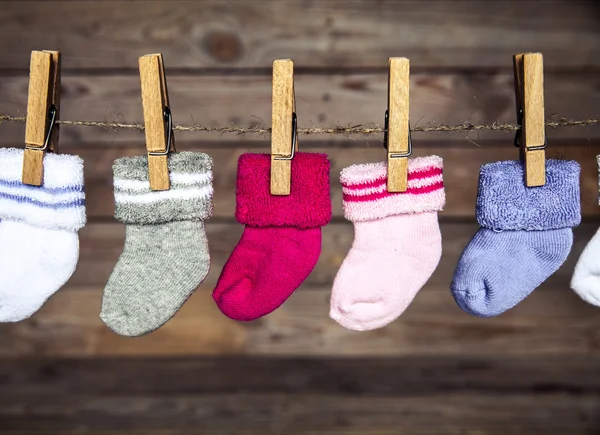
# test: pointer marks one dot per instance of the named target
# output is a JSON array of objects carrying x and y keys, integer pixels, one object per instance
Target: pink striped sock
[{"x": 397, "y": 242}]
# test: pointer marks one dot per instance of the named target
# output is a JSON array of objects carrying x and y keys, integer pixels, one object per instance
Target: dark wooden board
[
  {"x": 321, "y": 101},
  {"x": 362, "y": 376},
  {"x": 250, "y": 413},
  {"x": 325, "y": 33}
]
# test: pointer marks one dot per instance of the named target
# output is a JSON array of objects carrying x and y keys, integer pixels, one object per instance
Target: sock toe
[
  {"x": 125, "y": 323},
  {"x": 477, "y": 301},
  {"x": 364, "y": 316},
  {"x": 588, "y": 289},
  {"x": 233, "y": 299}
]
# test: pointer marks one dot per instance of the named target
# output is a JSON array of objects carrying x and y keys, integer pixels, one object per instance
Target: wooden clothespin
[
  {"x": 284, "y": 134},
  {"x": 397, "y": 139},
  {"x": 531, "y": 137},
  {"x": 43, "y": 110},
  {"x": 158, "y": 122}
]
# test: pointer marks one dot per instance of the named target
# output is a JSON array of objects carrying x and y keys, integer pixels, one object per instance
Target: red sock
[{"x": 281, "y": 242}]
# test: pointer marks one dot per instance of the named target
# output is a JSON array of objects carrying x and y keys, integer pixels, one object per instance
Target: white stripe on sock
[
  {"x": 176, "y": 178},
  {"x": 162, "y": 195}
]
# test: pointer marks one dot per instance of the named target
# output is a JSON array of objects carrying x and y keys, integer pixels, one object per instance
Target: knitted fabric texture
[
  {"x": 504, "y": 202},
  {"x": 58, "y": 204},
  {"x": 189, "y": 197},
  {"x": 366, "y": 197},
  {"x": 39, "y": 243},
  {"x": 397, "y": 242},
  {"x": 586, "y": 277},
  {"x": 281, "y": 242},
  {"x": 525, "y": 237},
  {"x": 166, "y": 255},
  {"x": 307, "y": 206}
]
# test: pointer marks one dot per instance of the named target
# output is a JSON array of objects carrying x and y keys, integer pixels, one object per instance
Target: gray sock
[{"x": 166, "y": 253}]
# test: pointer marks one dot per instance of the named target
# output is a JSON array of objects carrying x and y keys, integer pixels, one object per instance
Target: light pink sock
[{"x": 397, "y": 242}]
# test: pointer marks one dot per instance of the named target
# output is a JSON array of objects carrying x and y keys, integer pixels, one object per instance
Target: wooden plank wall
[{"x": 436, "y": 369}]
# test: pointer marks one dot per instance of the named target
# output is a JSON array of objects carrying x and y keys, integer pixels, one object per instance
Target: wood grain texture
[
  {"x": 366, "y": 377},
  {"x": 534, "y": 131},
  {"x": 40, "y": 97},
  {"x": 321, "y": 101},
  {"x": 281, "y": 130},
  {"x": 255, "y": 413},
  {"x": 100, "y": 386},
  {"x": 33, "y": 167},
  {"x": 398, "y": 124},
  {"x": 325, "y": 33},
  {"x": 551, "y": 322},
  {"x": 462, "y": 162},
  {"x": 152, "y": 77}
]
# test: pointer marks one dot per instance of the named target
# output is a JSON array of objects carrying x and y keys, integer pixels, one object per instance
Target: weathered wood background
[{"x": 535, "y": 369}]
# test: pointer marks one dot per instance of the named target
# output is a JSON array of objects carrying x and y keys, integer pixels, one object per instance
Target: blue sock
[{"x": 526, "y": 235}]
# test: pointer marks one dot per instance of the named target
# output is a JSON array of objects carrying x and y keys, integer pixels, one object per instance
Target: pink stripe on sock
[
  {"x": 417, "y": 175},
  {"x": 379, "y": 195},
  {"x": 365, "y": 195}
]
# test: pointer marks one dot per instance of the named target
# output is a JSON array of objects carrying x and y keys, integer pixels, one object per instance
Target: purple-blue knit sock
[{"x": 525, "y": 236}]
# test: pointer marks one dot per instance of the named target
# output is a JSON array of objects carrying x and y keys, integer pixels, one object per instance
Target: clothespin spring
[
  {"x": 294, "y": 139},
  {"x": 385, "y": 139},
  {"x": 519, "y": 133},
  {"x": 169, "y": 133},
  {"x": 51, "y": 122}
]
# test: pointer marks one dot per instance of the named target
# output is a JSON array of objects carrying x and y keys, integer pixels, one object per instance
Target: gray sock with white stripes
[{"x": 166, "y": 252}]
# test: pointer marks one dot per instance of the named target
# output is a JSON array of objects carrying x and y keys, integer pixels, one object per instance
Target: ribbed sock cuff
[
  {"x": 59, "y": 203},
  {"x": 366, "y": 197},
  {"x": 307, "y": 206},
  {"x": 189, "y": 196},
  {"x": 504, "y": 202}
]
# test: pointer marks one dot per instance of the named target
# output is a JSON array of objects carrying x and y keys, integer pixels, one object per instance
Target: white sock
[
  {"x": 39, "y": 243},
  {"x": 586, "y": 277}
]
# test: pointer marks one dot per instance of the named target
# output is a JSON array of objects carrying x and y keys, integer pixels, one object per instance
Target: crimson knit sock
[{"x": 281, "y": 242}]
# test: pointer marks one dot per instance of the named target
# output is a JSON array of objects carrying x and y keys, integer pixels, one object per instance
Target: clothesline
[{"x": 345, "y": 130}]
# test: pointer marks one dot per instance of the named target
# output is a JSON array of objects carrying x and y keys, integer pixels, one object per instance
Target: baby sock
[
  {"x": 586, "y": 278},
  {"x": 525, "y": 235},
  {"x": 397, "y": 242},
  {"x": 166, "y": 252},
  {"x": 281, "y": 242},
  {"x": 39, "y": 244}
]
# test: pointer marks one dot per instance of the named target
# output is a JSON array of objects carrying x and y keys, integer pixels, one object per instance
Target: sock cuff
[
  {"x": 365, "y": 195},
  {"x": 188, "y": 198},
  {"x": 505, "y": 203},
  {"x": 307, "y": 206},
  {"x": 59, "y": 203}
]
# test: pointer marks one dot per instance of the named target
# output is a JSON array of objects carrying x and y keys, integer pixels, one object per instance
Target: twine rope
[{"x": 345, "y": 130}]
